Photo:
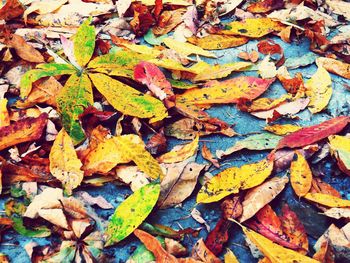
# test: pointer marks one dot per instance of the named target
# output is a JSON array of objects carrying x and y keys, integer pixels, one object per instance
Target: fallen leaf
[
  {"x": 4, "y": 114},
  {"x": 218, "y": 236},
  {"x": 186, "y": 49},
  {"x": 334, "y": 66},
  {"x": 340, "y": 146},
  {"x": 11, "y": 9},
  {"x": 282, "y": 129},
  {"x": 252, "y": 27},
  {"x": 201, "y": 252},
  {"x": 180, "y": 153},
  {"x": 319, "y": 90},
  {"x": 127, "y": 100},
  {"x": 25, "y": 130},
  {"x": 196, "y": 215},
  {"x": 64, "y": 162},
  {"x": 300, "y": 175},
  {"x": 339, "y": 7},
  {"x": 84, "y": 43},
  {"x": 325, "y": 254},
  {"x": 218, "y": 42},
  {"x": 167, "y": 21},
  {"x": 312, "y": 134},
  {"x": 207, "y": 155},
  {"x": 274, "y": 252},
  {"x": 100, "y": 201},
  {"x": 263, "y": 6},
  {"x": 302, "y": 61},
  {"x": 229, "y": 257},
  {"x": 41, "y": 8},
  {"x": 122, "y": 149},
  {"x": 233, "y": 179},
  {"x": 327, "y": 200},
  {"x": 131, "y": 213},
  {"x": 227, "y": 91}
]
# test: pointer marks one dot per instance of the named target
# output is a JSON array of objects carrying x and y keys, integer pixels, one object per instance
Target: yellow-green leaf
[
  {"x": 276, "y": 253},
  {"x": 84, "y": 43},
  {"x": 319, "y": 90},
  {"x": 127, "y": 100},
  {"x": 180, "y": 153},
  {"x": 253, "y": 27},
  {"x": 186, "y": 49},
  {"x": 122, "y": 149},
  {"x": 327, "y": 200},
  {"x": 233, "y": 179},
  {"x": 131, "y": 213},
  {"x": 64, "y": 162},
  {"x": 73, "y": 98},
  {"x": 43, "y": 70},
  {"x": 300, "y": 175},
  {"x": 217, "y": 42}
]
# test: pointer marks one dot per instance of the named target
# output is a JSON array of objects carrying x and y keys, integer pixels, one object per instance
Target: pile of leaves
[{"x": 122, "y": 98}]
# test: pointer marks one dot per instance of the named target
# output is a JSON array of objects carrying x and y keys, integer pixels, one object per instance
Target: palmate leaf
[
  {"x": 131, "y": 213},
  {"x": 75, "y": 96},
  {"x": 43, "y": 70},
  {"x": 128, "y": 100}
]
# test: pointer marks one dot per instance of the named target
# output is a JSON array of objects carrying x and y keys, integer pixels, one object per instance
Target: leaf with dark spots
[{"x": 25, "y": 130}]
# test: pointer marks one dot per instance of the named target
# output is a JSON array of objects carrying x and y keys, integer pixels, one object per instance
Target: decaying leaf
[
  {"x": 261, "y": 195},
  {"x": 334, "y": 66},
  {"x": 202, "y": 253},
  {"x": 300, "y": 175},
  {"x": 233, "y": 179},
  {"x": 131, "y": 213},
  {"x": 64, "y": 163},
  {"x": 319, "y": 90}
]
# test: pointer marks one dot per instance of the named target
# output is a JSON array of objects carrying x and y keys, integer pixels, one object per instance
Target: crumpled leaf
[
  {"x": 300, "y": 175},
  {"x": 274, "y": 252},
  {"x": 186, "y": 49},
  {"x": 122, "y": 149},
  {"x": 84, "y": 43},
  {"x": 227, "y": 91},
  {"x": 131, "y": 213},
  {"x": 319, "y": 90},
  {"x": 263, "y": 141},
  {"x": 233, "y": 179},
  {"x": 153, "y": 77},
  {"x": 261, "y": 195},
  {"x": 11, "y": 9},
  {"x": 180, "y": 153},
  {"x": 334, "y": 66},
  {"x": 327, "y": 200},
  {"x": 25, "y": 130},
  {"x": 218, "y": 42},
  {"x": 127, "y": 100},
  {"x": 23, "y": 49},
  {"x": 252, "y": 27},
  {"x": 75, "y": 96},
  {"x": 340, "y": 146},
  {"x": 312, "y": 134},
  {"x": 64, "y": 163}
]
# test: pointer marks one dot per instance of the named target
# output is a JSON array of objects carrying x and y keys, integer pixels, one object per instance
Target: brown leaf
[
  {"x": 201, "y": 252},
  {"x": 209, "y": 156},
  {"x": 12, "y": 9},
  {"x": 26, "y": 130},
  {"x": 23, "y": 49},
  {"x": 232, "y": 207},
  {"x": 142, "y": 20}
]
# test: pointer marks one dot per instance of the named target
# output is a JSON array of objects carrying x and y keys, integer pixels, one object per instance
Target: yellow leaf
[
  {"x": 319, "y": 90},
  {"x": 217, "y": 42},
  {"x": 300, "y": 175},
  {"x": 327, "y": 200},
  {"x": 43, "y": 7},
  {"x": 4, "y": 115},
  {"x": 122, "y": 149},
  {"x": 282, "y": 129},
  {"x": 233, "y": 179},
  {"x": 253, "y": 27},
  {"x": 276, "y": 253},
  {"x": 181, "y": 153},
  {"x": 334, "y": 66},
  {"x": 84, "y": 43},
  {"x": 128, "y": 100},
  {"x": 64, "y": 162},
  {"x": 170, "y": 2},
  {"x": 340, "y": 146},
  {"x": 142, "y": 49},
  {"x": 186, "y": 49},
  {"x": 230, "y": 257}
]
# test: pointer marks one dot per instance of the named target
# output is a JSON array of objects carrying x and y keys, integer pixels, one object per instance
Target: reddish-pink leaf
[
  {"x": 315, "y": 133},
  {"x": 150, "y": 75}
]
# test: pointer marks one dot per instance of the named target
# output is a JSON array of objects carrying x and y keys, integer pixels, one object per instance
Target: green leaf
[
  {"x": 121, "y": 63},
  {"x": 75, "y": 96},
  {"x": 132, "y": 212},
  {"x": 84, "y": 43},
  {"x": 151, "y": 39},
  {"x": 43, "y": 70},
  {"x": 127, "y": 100},
  {"x": 22, "y": 230},
  {"x": 143, "y": 255}
]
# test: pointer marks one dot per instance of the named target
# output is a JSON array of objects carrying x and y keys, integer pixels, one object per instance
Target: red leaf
[
  {"x": 315, "y": 133},
  {"x": 218, "y": 236},
  {"x": 150, "y": 75},
  {"x": 269, "y": 47},
  {"x": 12, "y": 9},
  {"x": 142, "y": 20}
]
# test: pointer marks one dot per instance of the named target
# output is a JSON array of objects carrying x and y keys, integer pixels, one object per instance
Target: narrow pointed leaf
[
  {"x": 327, "y": 200},
  {"x": 84, "y": 43}
]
